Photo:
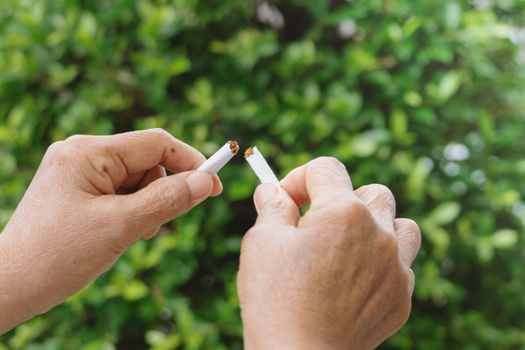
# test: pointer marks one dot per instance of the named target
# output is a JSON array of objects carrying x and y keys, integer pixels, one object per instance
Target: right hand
[{"x": 337, "y": 278}]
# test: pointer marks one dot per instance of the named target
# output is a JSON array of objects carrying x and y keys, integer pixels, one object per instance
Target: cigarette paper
[
  {"x": 218, "y": 160},
  {"x": 260, "y": 166}
]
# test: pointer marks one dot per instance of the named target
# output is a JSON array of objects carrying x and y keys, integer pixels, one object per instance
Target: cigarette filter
[
  {"x": 260, "y": 166},
  {"x": 220, "y": 158}
]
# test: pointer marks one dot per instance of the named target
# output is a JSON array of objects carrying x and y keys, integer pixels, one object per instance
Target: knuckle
[
  {"x": 161, "y": 133},
  {"x": 379, "y": 187},
  {"x": 328, "y": 161},
  {"x": 416, "y": 236},
  {"x": 70, "y": 147},
  {"x": 276, "y": 205},
  {"x": 54, "y": 147},
  {"x": 383, "y": 192},
  {"x": 410, "y": 224},
  {"x": 60, "y": 151},
  {"x": 380, "y": 195},
  {"x": 76, "y": 139},
  {"x": 412, "y": 228},
  {"x": 385, "y": 200}
]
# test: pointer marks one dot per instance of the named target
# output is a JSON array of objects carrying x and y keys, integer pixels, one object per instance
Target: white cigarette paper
[
  {"x": 220, "y": 158},
  {"x": 260, "y": 166}
]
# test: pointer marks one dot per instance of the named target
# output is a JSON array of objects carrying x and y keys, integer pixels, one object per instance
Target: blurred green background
[{"x": 426, "y": 97}]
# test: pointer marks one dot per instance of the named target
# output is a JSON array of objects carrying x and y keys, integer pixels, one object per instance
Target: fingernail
[
  {"x": 200, "y": 184},
  {"x": 217, "y": 186},
  {"x": 264, "y": 194}
]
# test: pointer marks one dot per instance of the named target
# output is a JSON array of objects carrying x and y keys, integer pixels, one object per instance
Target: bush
[{"x": 425, "y": 97}]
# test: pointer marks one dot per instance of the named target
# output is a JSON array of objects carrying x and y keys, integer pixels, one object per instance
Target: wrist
[
  {"x": 10, "y": 298},
  {"x": 23, "y": 293},
  {"x": 283, "y": 338}
]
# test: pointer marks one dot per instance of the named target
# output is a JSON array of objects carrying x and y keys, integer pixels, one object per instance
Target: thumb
[
  {"x": 275, "y": 206},
  {"x": 161, "y": 201}
]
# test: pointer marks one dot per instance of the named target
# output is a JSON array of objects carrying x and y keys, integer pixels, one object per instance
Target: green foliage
[{"x": 423, "y": 96}]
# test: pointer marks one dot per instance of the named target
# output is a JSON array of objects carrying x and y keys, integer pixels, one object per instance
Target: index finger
[
  {"x": 319, "y": 181},
  {"x": 142, "y": 150},
  {"x": 381, "y": 203}
]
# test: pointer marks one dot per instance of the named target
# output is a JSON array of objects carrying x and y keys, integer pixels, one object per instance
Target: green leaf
[
  {"x": 446, "y": 87},
  {"x": 449, "y": 85},
  {"x": 399, "y": 124},
  {"x": 445, "y": 213},
  {"x": 134, "y": 290},
  {"x": 505, "y": 239}
]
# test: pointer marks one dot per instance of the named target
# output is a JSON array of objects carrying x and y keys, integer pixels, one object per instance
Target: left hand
[{"x": 91, "y": 198}]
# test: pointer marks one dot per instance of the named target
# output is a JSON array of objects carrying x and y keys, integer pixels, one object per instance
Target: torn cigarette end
[
  {"x": 220, "y": 158},
  {"x": 234, "y": 146},
  {"x": 248, "y": 152},
  {"x": 260, "y": 166}
]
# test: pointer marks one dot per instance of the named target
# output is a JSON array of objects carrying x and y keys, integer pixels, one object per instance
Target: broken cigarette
[
  {"x": 220, "y": 158},
  {"x": 260, "y": 166}
]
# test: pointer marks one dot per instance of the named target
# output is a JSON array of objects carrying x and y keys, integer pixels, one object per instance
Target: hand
[
  {"x": 91, "y": 198},
  {"x": 337, "y": 278}
]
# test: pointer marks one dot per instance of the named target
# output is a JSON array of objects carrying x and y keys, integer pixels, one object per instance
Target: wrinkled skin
[
  {"x": 337, "y": 278},
  {"x": 91, "y": 198}
]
